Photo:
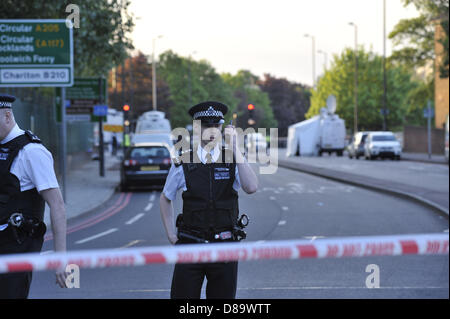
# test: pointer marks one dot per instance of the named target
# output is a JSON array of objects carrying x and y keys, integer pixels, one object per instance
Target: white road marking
[
  {"x": 152, "y": 197},
  {"x": 281, "y": 223},
  {"x": 148, "y": 207},
  {"x": 47, "y": 252},
  {"x": 272, "y": 198},
  {"x": 313, "y": 237},
  {"x": 135, "y": 218},
  {"x": 82, "y": 241},
  {"x": 132, "y": 243},
  {"x": 446, "y": 231},
  {"x": 285, "y": 208}
]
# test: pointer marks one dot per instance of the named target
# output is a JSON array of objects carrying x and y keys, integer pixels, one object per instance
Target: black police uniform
[
  {"x": 210, "y": 214},
  {"x": 21, "y": 212}
]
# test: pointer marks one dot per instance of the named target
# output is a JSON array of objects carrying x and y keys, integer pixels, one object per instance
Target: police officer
[
  {"x": 27, "y": 181},
  {"x": 210, "y": 180}
]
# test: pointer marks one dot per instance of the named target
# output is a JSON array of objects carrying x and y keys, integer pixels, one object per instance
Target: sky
[{"x": 264, "y": 36}]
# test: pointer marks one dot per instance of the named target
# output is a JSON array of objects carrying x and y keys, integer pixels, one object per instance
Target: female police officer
[
  {"x": 27, "y": 179},
  {"x": 210, "y": 203}
]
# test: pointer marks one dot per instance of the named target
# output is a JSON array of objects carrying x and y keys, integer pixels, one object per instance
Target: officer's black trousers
[
  {"x": 16, "y": 285},
  {"x": 188, "y": 279}
]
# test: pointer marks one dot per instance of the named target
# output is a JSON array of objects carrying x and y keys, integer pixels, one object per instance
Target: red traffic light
[
  {"x": 126, "y": 107},
  {"x": 251, "y": 107}
]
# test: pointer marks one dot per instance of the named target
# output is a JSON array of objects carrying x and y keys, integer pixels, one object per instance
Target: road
[
  {"x": 433, "y": 176},
  {"x": 288, "y": 205}
]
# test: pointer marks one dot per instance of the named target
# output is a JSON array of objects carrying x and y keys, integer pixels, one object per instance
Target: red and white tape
[{"x": 420, "y": 244}]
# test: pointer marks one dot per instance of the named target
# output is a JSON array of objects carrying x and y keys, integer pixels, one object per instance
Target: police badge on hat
[
  {"x": 6, "y": 101},
  {"x": 209, "y": 112}
]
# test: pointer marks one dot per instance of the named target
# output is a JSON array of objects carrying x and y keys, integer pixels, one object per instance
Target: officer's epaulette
[
  {"x": 178, "y": 160},
  {"x": 33, "y": 138}
]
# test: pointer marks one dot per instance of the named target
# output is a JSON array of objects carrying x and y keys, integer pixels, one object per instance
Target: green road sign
[
  {"x": 81, "y": 98},
  {"x": 35, "y": 53}
]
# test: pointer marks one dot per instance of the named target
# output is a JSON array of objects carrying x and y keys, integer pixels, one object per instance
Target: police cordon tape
[{"x": 396, "y": 245}]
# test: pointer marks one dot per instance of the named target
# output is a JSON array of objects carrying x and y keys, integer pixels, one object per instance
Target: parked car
[
  {"x": 382, "y": 144},
  {"x": 356, "y": 147},
  {"x": 145, "y": 165}
]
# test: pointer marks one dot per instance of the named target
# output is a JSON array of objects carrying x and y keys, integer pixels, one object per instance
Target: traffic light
[
  {"x": 126, "y": 119},
  {"x": 250, "y": 108}
]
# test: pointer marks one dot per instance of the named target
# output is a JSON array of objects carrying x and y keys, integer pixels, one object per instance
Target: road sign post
[
  {"x": 38, "y": 53},
  {"x": 428, "y": 113}
]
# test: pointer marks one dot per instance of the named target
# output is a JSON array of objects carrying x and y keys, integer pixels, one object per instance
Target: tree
[
  {"x": 246, "y": 91},
  {"x": 131, "y": 83},
  {"x": 415, "y": 36},
  {"x": 191, "y": 82},
  {"x": 289, "y": 101},
  {"x": 101, "y": 41},
  {"x": 339, "y": 81}
]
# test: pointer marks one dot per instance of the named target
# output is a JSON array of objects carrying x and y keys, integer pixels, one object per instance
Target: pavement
[
  {"x": 86, "y": 190},
  {"x": 425, "y": 158}
]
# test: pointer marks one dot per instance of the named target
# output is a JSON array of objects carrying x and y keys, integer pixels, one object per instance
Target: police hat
[
  {"x": 209, "y": 112},
  {"x": 6, "y": 101}
]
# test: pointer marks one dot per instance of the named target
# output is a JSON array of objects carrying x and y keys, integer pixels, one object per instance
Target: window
[
  {"x": 383, "y": 138},
  {"x": 154, "y": 151}
]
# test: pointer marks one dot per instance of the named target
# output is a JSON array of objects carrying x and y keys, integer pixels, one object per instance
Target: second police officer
[{"x": 210, "y": 180}]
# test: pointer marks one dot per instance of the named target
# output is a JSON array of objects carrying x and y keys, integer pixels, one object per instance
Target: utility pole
[
  {"x": 384, "y": 69},
  {"x": 154, "y": 93},
  {"x": 355, "y": 109},
  {"x": 313, "y": 58}
]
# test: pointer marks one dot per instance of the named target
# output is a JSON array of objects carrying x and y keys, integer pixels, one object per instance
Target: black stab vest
[
  {"x": 210, "y": 203},
  {"x": 12, "y": 199}
]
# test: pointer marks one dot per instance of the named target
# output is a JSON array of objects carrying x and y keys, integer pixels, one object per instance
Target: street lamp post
[
  {"x": 355, "y": 110},
  {"x": 154, "y": 93},
  {"x": 384, "y": 69},
  {"x": 325, "y": 59},
  {"x": 313, "y": 57}
]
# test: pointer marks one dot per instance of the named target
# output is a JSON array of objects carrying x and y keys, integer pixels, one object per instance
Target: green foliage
[
  {"x": 191, "y": 82},
  {"x": 415, "y": 37},
  {"x": 246, "y": 91},
  {"x": 101, "y": 41},
  {"x": 417, "y": 100},
  {"x": 339, "y": 81}
]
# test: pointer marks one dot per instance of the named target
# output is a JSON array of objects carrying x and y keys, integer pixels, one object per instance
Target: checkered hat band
[
  {"x": 5, "y": 104},
  {"x": 208, "y": 113}
]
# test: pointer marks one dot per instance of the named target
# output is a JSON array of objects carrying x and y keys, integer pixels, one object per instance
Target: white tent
[
  {"x": 321, "y": 133},
  {"x": 304, "y": 137}
]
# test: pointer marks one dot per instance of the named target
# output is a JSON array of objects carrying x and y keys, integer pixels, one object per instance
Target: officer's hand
[
  {"x": 173, "y": 239},
  {"x": 61, "y": 277}
]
